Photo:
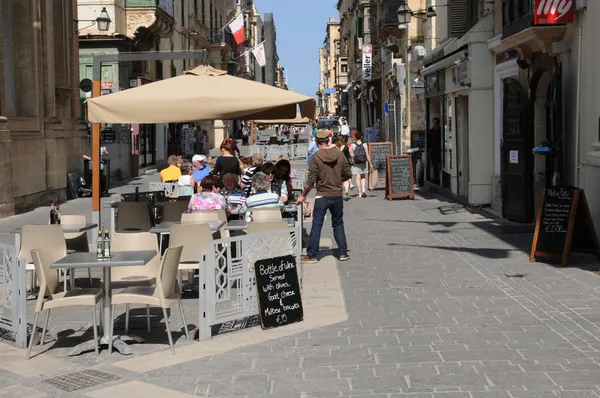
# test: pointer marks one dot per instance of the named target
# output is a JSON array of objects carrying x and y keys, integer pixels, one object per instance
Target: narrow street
[{"x": 439, "y": 302}]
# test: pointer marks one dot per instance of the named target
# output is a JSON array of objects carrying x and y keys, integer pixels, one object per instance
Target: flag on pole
[
  {"x": 259, "y": 54},
  {"x": 237, "y": 29}
]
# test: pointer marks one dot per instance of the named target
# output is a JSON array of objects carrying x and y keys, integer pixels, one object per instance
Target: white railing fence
[
  {"x": 272, "y": 152},
  {"x": 13, "y": 295},
  {"x": 227, "y": 282}
]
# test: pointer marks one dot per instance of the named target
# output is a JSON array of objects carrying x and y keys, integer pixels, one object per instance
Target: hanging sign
[
  {"x": 553, "y": 12},
  {"x": 367, "y": 63}
]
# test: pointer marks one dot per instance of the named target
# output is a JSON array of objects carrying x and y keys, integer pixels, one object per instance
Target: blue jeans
[{"x": 335, "y": 205}]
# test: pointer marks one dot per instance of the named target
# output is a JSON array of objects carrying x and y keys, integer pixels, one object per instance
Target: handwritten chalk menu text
[
  {"x": 564, "y": 224},
  {"x": 399, "y": 177},
  {"x": 379, "y": 152},
  {"x": 279, "y": 298}
]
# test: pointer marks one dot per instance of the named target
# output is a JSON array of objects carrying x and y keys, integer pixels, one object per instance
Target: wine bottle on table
[
  {"x": 99, "y": 246},
  {"x": 106, "y": 244},
  {"x": 52, "y": 214}
]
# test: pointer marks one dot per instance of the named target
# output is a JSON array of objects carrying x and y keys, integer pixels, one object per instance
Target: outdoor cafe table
[{"x": 118, "y": 259}]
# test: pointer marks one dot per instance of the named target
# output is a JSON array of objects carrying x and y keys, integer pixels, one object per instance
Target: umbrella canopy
[
  {"x": 203, "y": 93},
  {"x": 299, "y": 119}
]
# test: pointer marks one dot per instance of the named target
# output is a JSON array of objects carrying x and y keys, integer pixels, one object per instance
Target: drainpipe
[{"x": 578, "y": 99}]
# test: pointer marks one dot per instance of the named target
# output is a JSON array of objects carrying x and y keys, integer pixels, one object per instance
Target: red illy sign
[{"x": 553, "y": 12}]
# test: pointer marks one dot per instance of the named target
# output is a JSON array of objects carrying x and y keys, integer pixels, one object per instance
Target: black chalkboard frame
[
  {"x": 381, "y": 178},
  {"x": 295, "y": 285},
  {"x": 389, "y": 194},
  {"x": 579, "y": 205}
]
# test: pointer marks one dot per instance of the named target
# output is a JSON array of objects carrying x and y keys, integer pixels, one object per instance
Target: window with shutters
[{"x": 462, "y": 16}]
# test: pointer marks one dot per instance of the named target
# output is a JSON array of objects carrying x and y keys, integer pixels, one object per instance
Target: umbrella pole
[
  {"x": 252, "y": 134},
  {"x": 96, "y": 194}
]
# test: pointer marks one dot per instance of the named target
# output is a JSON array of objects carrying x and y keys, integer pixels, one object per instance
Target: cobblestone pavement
[{"x": 441, "y": 303}]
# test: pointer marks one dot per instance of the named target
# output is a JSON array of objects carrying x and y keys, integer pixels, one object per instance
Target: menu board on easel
[
  {"x": 278, "y": 291},
  {"x": 564, "y": 225},
  {"x": 379, "y": 151},
  {"x": 400, "y": 181}
]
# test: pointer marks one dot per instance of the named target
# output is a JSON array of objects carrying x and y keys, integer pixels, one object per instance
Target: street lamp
[
  {"x": 404, "y": 14},
  {"x": 103, "y": 21}
]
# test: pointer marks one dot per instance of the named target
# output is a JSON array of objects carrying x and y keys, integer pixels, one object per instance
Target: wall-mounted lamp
[
  {"x": 405, "y": 14},
  {"x": 103, "y": 21},
  {"x": 523, "y": 64}
]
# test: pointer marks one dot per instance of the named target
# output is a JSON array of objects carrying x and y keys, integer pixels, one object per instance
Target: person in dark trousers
[
  {"x": 328, "y": 169},
  {"x": 434, "y": 149}
]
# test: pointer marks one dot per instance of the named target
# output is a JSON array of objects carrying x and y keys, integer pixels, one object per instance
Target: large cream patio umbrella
[
  {"x": 298, "y": 120},
  {"x": 203, "y": 93}
]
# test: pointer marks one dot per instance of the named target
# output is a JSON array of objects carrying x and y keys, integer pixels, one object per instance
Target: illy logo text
[{"x": 549, "y": 12}]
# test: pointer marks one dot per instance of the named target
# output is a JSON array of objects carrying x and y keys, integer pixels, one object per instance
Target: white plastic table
[{"x": 118, "y": 259}]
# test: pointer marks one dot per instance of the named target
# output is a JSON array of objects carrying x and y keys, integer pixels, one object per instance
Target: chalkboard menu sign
[
  {"x": 564, "y": 225},
  {"x": 379, "y": 151},
  {"x": 400, "y": 181},
  {"x": 279, "y": 299}
]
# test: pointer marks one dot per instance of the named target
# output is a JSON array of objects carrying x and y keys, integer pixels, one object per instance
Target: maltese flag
[{"x": 237, "y": 29}]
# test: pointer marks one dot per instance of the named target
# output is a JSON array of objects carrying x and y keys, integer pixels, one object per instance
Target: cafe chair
[
  {"x": 194, "y": 239},
  {"x": 133, "y": 217},
  {"x": 49, "y": 298},
  {"x": 199, "y": 217},
  {"x": 266, "y": 214},
  {"x": 145, "y": 275},
  {"x": 43, "y": 237},
  {"x": 172, "y": 210},
  {"x": 163, "y": 294},
  {"x": 76, "y": 241},
  {"x": 266, "y": 226}
]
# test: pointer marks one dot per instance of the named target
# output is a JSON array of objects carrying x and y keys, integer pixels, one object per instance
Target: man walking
[{"x": 328, "y": 169}]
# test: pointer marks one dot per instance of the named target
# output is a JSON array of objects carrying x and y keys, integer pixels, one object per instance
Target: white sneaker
[{"x": 351, "y": 187}]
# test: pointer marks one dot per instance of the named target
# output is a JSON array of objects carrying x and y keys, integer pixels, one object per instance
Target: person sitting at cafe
[
  {"x": 201, "y": 169},
  {"x": 235, "y": 196},
  {"x": 186, "y": 182},
  {"x": 209, "y": 197},
  {"x": 261, "y": 183},
  {"x": 281, "y": 184},
  {"x": 171, "y": 173}
]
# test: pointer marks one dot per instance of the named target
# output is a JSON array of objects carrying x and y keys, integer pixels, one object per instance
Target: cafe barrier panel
[
  {"x": 13, "y": 295},
  {"x": 227, "y": 281},
  {"x": 272, "y": 152}
]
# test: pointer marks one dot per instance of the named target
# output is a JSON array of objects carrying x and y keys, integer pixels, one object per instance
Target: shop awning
[{"x": 444, "y": 63}]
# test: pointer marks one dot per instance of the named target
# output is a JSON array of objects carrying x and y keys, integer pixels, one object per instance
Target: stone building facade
[{"x": 41, "y": 134}]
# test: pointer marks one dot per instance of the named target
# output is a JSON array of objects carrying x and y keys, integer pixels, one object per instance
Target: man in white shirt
[{"x": 345, "y": 130}]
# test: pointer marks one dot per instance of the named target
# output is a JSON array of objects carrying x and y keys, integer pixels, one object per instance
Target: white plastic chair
[
  {"x": 49, "y": 299},
  {"x": 194, "y": 239},
  {"x": 163, "y": 294}
]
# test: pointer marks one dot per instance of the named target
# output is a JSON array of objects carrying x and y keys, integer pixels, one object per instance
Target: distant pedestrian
[
  {"x": 328, "y": 169},
  {"x": 345, "y": 130},
  {"x": 343, "y": 147},
  {"x": 359, "y": 152},
  {"x": 207, "y": 145}
]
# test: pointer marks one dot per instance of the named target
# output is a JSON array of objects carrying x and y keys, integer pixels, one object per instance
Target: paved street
[{"x": 439, "y": 303}]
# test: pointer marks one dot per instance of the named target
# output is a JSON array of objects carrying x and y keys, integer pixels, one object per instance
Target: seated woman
[
  {"x": 282, "y": 180},
  {"x": 186, "y": 183},
  {"x": 209, "y": 197},
  {"x": 235, "y": 196},
  {"x": 262, "y": 197}
]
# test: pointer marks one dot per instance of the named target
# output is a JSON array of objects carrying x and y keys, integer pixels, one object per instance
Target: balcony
[
  {"x": 519, "y": 31},
  {"x": 387, "y": 16},
  {"x": 148, "y": 21}
]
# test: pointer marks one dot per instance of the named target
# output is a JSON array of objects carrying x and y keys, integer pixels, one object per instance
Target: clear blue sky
[{"x": 300, "y": 32}]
